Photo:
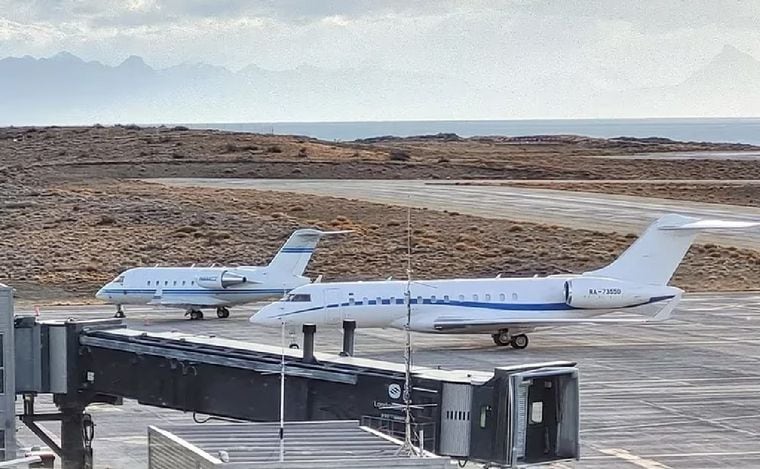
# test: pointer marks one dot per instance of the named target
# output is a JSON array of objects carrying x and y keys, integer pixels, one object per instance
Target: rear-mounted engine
[
  {"x": 223, "y": 279},
  {"x": 604, "y": 293}
]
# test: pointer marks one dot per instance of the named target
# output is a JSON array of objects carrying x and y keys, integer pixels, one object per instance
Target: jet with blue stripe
[
  {"x": 194, "y": 288},
  {"x": 507, "y": 308}
]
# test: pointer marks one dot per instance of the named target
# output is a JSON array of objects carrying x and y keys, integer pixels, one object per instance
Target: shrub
[
  {"x": 274, "y": 149},
  {"x": 399, "y": 155}
]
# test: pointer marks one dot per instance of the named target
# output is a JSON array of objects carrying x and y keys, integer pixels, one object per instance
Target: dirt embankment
[{"x": 134, "y": 152}]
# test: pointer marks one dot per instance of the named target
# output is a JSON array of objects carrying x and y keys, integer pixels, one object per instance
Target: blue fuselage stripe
[{"x": 473, "y": 304}]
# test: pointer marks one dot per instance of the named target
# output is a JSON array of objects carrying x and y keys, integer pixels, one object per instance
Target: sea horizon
[{"x": 713, "y": 129}]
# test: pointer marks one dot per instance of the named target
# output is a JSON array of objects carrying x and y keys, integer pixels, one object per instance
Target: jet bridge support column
[
  {"x": 349, "y": 327},
  {"x": 7, "y": 376},
  {"x": 77, "y": 431}
]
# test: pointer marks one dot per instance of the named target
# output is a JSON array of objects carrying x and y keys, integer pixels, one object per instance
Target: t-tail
[
  {"x": 654, "y": 257},
  {"x": 295, "y": 254}
]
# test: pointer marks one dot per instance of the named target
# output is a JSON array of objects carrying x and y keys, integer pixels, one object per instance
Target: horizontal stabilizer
[{"x": 711, "y": 225}]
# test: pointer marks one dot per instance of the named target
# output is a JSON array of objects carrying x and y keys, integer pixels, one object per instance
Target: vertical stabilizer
[
  {"x": 654, "y": 257},
  {"x": 295, "y": 254}
]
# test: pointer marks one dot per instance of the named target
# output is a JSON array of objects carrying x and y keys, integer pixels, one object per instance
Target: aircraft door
[{"x": 333, "y": 312}]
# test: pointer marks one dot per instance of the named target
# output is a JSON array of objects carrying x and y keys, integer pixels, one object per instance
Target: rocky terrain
[
  {"x": 71, "y": 218},
  {"x": 76, "y": 153}
]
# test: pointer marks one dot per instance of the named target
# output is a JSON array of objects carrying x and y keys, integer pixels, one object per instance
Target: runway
[
  {"x": 679, "y": 394},
  {"x": 563, "y": 208}
]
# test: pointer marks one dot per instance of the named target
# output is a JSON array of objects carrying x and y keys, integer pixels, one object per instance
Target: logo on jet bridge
[{"x": 394, "y": 391}]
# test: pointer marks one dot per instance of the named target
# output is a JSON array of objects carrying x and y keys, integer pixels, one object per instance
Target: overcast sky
[
  {"x": 617, "y": 42},
  {"x": 519, "y": 46}
]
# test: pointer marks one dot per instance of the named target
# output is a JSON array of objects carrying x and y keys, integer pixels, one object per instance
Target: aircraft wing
[{"x": 445, "y": 323}]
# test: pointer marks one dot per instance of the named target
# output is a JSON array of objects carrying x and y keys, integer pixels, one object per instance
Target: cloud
[{"x": 521, "y": 45}]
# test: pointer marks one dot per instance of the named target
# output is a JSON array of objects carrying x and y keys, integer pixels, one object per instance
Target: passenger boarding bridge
[{"x": 511, "y": 416}]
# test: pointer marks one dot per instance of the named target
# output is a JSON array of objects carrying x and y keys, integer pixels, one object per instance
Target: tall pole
[
  {"x": 408, "y": 446},
  {"x": 282, "y": 394}
]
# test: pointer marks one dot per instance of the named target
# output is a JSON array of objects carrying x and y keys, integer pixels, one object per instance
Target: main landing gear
[
  {"x": 504, "y": 338},
  {"x": 119, "y": 312},
  {"x": 222, "y": 312},
  {"x": 195, "y": 314}
]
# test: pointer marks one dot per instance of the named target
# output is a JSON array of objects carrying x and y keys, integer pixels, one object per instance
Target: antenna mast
[
  {"x": 408, "y": 447},
  {"x": 282, "y": 393}
]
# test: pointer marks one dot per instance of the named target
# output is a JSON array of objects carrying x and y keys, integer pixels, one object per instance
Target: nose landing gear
[{"x": 119, "y": 312}]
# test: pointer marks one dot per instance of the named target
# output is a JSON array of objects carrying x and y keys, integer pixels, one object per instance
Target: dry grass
[{"x": 64, "y": 244}]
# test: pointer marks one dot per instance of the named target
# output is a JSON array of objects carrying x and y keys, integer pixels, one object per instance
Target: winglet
[{"x": 667, "y": 311}]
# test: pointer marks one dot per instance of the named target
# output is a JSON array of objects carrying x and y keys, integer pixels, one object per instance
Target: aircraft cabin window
[
  {"x": 502, "y": 297},
  {"x": 432, "y": 299},
  {"x": 475, "y": 297},
  {"x": 351, "y": 300},
  {"x": 299, "y": 297},
  {"x": 514, "y": 296},
  {"x": 379, "y": 300},
  {"x": 461, "y": 297},
  {"x": 488, "y": 297},
  {"x": 393, "y": 300},
  {"x": 192, "y": 282},
  {"x": 183, "y": 283},
  {"x": 365, "y": 300},
  {"x": 148, "y": 282},
  {"x": 175, "y": 283},
  {"x": 445, "y": 298},
  {"x": 166, "y": 282}
]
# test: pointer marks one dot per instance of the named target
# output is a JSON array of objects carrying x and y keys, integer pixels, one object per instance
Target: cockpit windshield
[
  {"x": 119, "y": 280},
  {"x": 302, "y": 297}
]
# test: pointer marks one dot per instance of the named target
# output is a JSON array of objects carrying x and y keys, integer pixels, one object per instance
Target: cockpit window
[
  {"x": 119, "y": 279},
  {"x": 298, "y": 297}
]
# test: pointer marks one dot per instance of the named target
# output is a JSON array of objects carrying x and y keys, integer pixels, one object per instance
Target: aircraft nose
[
  {"x": 101, "y": 294},
  {"x": 264, "y": 317}
]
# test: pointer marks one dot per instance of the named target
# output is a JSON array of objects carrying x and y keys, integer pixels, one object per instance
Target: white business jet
[
  {"x": 194, "y": 288},
  {"x": 507, "y": 308}
]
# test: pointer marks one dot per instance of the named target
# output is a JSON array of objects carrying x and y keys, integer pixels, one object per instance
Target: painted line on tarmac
[{"x": 633, "y": 459}]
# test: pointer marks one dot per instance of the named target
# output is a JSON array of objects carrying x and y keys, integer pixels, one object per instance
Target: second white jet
[
  {"x": 194, "y": 288},
  {"x": 508, "y": 308}
]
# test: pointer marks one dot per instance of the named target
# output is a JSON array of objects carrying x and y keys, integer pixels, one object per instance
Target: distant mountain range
[{"x": 66, "y": 89}]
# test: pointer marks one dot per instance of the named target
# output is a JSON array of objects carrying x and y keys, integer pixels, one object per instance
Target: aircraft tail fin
[
  {"x": 295, "y": 254},
  {"x": 654, "y": 257}
]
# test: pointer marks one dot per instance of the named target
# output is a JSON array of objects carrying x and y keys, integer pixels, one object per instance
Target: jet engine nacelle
[
  {"x": 605, "y": 293},
  {"x": 222, "y": 279}
]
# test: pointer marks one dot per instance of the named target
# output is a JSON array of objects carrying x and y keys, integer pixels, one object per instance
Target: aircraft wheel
[
  {"x": 519, "y": 341},
  {"x": 196, "y": 315},
  {"x": 119, "y": 313},
  {"x": 222, "y": 313},
  {"x": 502, "y": 339},
  {"x": 294, "y": 346}
]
